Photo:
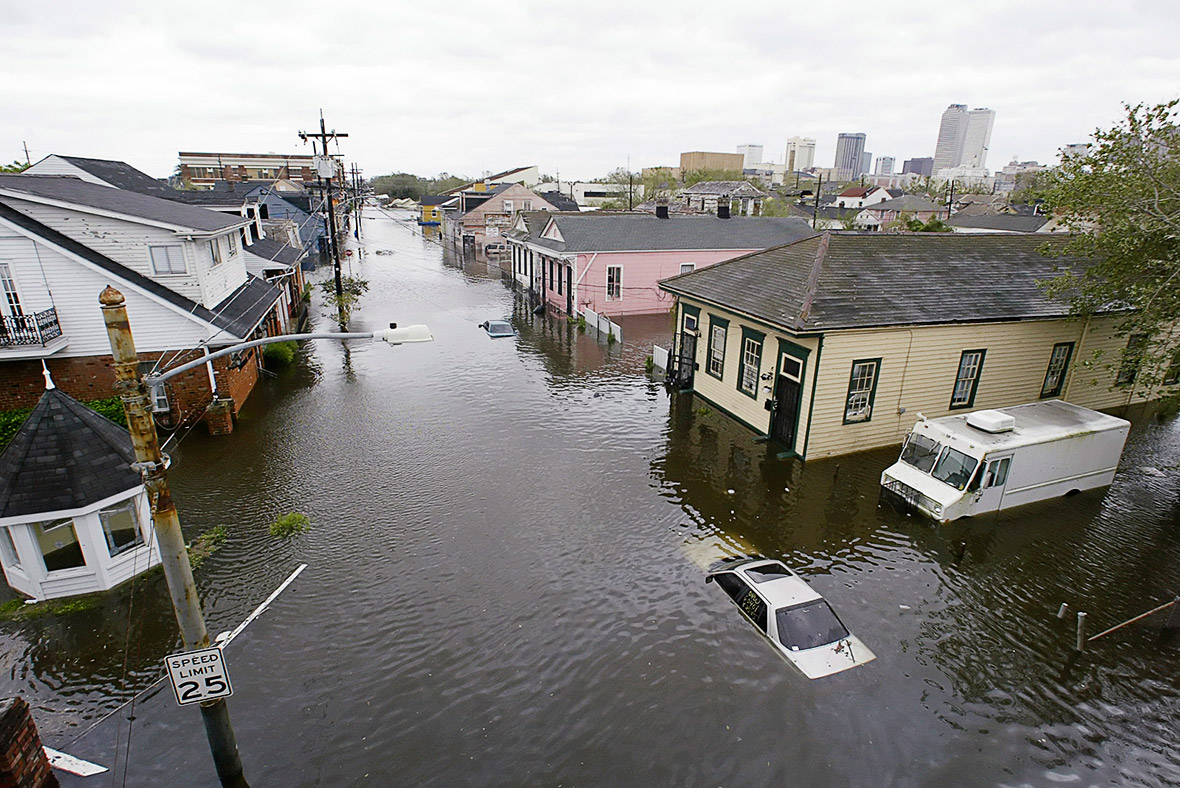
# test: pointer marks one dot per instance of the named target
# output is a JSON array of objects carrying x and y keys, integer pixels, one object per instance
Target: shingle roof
[
  {"x": 121, "y": 175},
  {"x": 238, "y": 314},
  {"x": 433, "y": 199},
  {"x": 907, "y": 202},
  {"x": 119, "y": 201},
  {"x": 867, "y": 280},
  {"x": 1005, "y": 222},
  {"x": 64, "y": 457},
  {"x": 604, "y": 232},
  {"x": 275, "y": 251},
  {"x": 560, "y": 201}
]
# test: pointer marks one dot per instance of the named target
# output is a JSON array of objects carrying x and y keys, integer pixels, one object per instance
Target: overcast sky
[{"x": 468, "y": 87}]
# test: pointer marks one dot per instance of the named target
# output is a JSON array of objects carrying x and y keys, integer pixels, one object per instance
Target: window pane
[
  {"x": 968, "y": 375},
  {"x": 8, "y": 548},
  {"x": 59, "y": 545},
  {"x": 751, "y": 359},
  {"x": 167, "y": 259},
  {"x": 686, "y": 268},
  {"x": 809, "y": 625},
  {"x": 120, "y": 525},
  {"x": 717, "y": 350},
  {"x": 860, "y": 391},
  {"x": 1055, "y": 374}
]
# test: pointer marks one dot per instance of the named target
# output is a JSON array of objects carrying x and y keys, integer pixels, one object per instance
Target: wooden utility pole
[
  {"x": 178, "y": 571},
  {"x": 326, "y": 189}
]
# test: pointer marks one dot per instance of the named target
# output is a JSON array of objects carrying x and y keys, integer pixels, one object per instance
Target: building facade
[
  {"x": 698, "y": 161},
  {"x": 751, "y": 155},
  {"x": 850, "y": 148},
  {"x": 201, "y": 170},
  {"x": 964, "y": 137},
  {"x": 800, "y": 154}
]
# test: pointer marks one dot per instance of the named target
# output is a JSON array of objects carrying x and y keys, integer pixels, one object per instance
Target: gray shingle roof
[
  {"x": 238, "y": 314},
  {"x": 121, "y": 175},
  {"x": 120, "y": 201},
  {"x": 65, "y": 456},
  {"x": 732, "y": 188},
  {"x": 605, "y": 232},
  {"x": 274, "y": 251},
  {"x": 907, "y": 202},
  {"x": 1006, "y": 222},
  {"x": 867, "y": 280}
]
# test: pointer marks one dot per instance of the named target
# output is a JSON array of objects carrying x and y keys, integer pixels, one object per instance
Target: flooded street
[{"x": 505, "y": 585}]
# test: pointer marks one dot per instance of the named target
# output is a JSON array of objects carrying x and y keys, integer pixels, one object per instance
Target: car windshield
[
  {"x": 954, "y": 468},
  {"x": 808, "y": 625},
  {"x": 498, "y": 328},
  {"x": 760, "y": 574},
  {"x": 920, "y": 452}
]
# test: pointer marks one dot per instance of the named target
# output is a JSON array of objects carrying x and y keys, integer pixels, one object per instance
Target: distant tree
[
  {"x": 16, "y": 166},
  {"x": 1121, "y": 203},
  {"x": 403, "y": 185},
  {"x": 629, "y": 189},
  {"x": 697, "y": 176}
]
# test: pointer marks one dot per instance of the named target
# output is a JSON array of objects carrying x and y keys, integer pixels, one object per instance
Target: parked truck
[{"x": 988, "y": 460}]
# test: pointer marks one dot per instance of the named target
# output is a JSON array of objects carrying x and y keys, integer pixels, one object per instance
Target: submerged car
[
  {"x": 498, "y": 328},
  {"x": 796, "y": 619}
]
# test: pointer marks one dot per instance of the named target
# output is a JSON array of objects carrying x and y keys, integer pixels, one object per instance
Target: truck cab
[{"x": 941, "y": 474}]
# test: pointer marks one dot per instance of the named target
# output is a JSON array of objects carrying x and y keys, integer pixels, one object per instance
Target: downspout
[
  {"x": 582, "y": 276},
  {"x": 212, "y": 376}
]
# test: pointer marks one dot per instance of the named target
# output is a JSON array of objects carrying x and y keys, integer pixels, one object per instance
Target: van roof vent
[{"x": 992, "y": 421}]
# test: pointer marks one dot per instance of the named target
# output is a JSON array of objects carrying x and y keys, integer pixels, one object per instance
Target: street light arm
[{"x": 393, "y": 335}]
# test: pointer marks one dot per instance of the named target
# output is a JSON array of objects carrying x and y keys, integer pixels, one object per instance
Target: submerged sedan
[{"x": 796, "y": 619}]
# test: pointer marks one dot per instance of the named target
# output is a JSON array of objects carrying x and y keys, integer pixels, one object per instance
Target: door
[
  {"x": 569, "y": 290},
  {"x": 989, "y": 483},
  {"x": 686, "y": 353},
  {"x": 787, "y": 391}
]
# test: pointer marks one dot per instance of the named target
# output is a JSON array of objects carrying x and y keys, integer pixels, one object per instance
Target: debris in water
[{"x": 730, "y": 492}]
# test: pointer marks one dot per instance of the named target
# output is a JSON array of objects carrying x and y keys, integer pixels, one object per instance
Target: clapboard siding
[
  {"x": 127, "y": 243},
  {"x": 56, "y": 165}
]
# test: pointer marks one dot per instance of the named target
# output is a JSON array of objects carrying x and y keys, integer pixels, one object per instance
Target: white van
[{"x": 969, "y": 464}]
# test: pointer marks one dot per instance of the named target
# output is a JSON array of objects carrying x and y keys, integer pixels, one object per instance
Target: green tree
[
  {"x": 16, "y": 166},
  {"x": 1121, "y": 203}
]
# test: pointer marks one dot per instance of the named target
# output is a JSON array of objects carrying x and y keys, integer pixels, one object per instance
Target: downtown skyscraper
[
  {"x": 850, "y": 149},
  {"x": 964, "y": 137}
]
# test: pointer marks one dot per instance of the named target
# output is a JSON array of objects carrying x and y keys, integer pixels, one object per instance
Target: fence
[{"x": 602, "y": 324}]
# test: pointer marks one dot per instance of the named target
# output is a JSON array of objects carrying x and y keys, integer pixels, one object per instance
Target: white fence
[
  {"x": 659, "y": 357},
  {"x": 602, "y": 324}
]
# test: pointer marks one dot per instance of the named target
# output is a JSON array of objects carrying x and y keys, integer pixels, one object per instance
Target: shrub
[
  {"x": 289, "y": 525},
  {"x": 279, "y": 354}
]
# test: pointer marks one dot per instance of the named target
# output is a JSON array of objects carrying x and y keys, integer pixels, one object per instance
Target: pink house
[{"x": 612, "y": 263}]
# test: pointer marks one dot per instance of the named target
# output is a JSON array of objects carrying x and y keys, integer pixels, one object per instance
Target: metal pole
[
  {"x": 1081, "y": 631},
  {"x": 174, "y": 556}
]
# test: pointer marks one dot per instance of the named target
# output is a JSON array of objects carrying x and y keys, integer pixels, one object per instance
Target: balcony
[{"x": 30, "y": 336}]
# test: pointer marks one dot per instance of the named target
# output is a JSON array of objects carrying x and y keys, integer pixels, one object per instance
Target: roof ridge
[{"x": 813, "y": 280}]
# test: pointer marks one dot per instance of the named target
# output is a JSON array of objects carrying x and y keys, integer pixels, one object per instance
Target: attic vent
[{"x": 991, "y": 421}]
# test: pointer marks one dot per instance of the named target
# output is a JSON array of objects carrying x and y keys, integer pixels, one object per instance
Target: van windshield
[
  {"x": 954, "y": 468},
  {"x": 920, "y": 452}
]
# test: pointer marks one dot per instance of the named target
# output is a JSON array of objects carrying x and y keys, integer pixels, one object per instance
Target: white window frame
[
  {"x": 508, "y": 207},
  {"x": 614, "y": 291},
  {"x": 751, "y": 366},
  {"x": 526, "y": 205},
  {"x": 8, "y": 549},
  {"x": 215, "y": 250},
  {"x": 233, "y": 245},
  {"x": 11, "y": 291},
  {"x": 128, "y": 505},
  {"x": 687, "y": 268},
  {"x": 172, "y": 254}
]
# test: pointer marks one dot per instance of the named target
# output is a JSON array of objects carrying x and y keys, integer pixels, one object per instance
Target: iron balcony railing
[{"x": 38, "y": 328}]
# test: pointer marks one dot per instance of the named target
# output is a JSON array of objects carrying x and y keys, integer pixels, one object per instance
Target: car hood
[{"x": 831, "y": 658}]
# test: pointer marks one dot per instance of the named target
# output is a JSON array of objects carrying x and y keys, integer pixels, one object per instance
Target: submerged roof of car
[{"x": 780, "y": 591}]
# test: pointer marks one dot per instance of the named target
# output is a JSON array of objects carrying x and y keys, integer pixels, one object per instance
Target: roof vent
[{"x": 992, "y": 421}]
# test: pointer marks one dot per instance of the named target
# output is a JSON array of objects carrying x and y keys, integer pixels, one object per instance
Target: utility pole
[
  {"x": 28, "y": 161},
  {"x": 326, "y": 190},
  {"x": 173, "y": 555},
  {"x": 356, "y": 192},
  {"x": 815, "y": 211}
]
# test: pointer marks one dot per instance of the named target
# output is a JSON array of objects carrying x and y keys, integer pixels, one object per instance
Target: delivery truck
[{"x": 989, "y": 460}]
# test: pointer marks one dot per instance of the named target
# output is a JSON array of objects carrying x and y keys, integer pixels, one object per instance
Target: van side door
[{"x": 990, "y": 482}]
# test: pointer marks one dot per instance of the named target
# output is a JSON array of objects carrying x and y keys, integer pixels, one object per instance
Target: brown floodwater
[{"x": 505, "y": 585}]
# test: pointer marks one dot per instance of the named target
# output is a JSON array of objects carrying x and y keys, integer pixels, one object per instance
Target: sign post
[{"x": 198, "y": 676}]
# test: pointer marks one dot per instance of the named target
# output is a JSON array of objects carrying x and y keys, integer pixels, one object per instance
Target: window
[
  {"x": 215, "y": 251},
  {"x": 233, "y": 245},
  {"x": 687, "y": 268},
  {"x": 1055, "y": 374},
  {"x": 526, "y": 205},
  {"x": 997, "y": 470},
  {"x": 967, "y": 379},
  {"x": 718, "y": 332},
  {"x": 862, "y": 388},
  {"x": 59, "y": 545},
  {"x": 614, "y": 282},
  {"x": 508, "y": 206},
  {"x": 751, "y": 362},
  {"x": 551, "y": 274},
  {"x": 167, "y": 259},
  {"x": 1132, "y": 359},
  {"x": 159, "y": 393},
  {"x": 920, "y": 451},
  {"x": 8, "y": 549},
  {"x": 10, "y": 295},
  {"x": 559, "y": 278},
  {"x": 808, "y": 625},
  {"x": 120, "y": 526},
  {"x": 954, "y": 468},
  {"x": 690, "y": 321},
  {"x": 1172, "y": 373},
  {"x": 263, "y": 211}
]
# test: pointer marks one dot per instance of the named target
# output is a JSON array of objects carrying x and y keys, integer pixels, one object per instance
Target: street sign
[
  {"x": 348, "y": 253},
  {"x": 198, "y": 675}
]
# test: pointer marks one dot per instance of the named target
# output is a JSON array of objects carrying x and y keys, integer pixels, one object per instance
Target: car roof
[{"x": 779, "y": 592}]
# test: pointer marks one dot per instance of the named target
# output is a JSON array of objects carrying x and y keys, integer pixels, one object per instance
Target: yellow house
[
  {"x": 834, "y": 344},
  {"x": 432, "y": 214}
]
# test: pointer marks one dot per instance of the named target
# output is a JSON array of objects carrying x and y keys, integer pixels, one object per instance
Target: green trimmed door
[{"x": 787, "y": 392}]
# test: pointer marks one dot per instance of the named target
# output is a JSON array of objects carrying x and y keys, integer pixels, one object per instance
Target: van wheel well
[{"x": 1072, "y": 493}]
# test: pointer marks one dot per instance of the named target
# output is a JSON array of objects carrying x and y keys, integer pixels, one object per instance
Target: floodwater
[{"x": 505, "y": 586}]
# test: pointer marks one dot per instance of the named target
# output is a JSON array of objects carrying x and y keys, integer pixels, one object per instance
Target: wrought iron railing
[{"x": 38, "y": 328}]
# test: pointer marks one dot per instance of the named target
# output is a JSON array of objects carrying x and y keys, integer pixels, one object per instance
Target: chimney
[
  {"x": 723, "y": 207},
  {"x": 662, "y": 208}
]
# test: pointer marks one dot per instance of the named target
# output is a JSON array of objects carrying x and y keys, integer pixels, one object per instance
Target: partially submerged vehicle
[
  {"x": 498, "y": 328},
  {"x": 989, "y": 460},
  {"x": 802, "y": 626}
]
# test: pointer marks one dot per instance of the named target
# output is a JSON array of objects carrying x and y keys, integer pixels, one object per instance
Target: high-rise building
[
  {"x": 884, "y": 165},
  {"x": 800, "y": 153},
  {"x": 866, "y": 164},
  {"x": 752, "y": 154},
  {"x": 923, "y": 166},
  {"x": 849, "y": 149},
  {"x": 963, "y": 137}
]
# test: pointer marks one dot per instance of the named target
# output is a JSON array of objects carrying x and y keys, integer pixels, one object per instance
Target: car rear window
[
  {"x": 809, "y": 625},
  {"x": 761, "y": 574},
  {"x": 499, "y": 329}
]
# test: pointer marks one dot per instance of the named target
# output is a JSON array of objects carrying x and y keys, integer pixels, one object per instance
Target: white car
[{"x": 796, "y": 619}]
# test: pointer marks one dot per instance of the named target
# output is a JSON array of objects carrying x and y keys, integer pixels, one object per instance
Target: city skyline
[{"x": 78, "y": 83}]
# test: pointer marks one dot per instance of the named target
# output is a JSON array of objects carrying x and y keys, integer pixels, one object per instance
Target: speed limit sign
[{"x": 198, "y": 675}]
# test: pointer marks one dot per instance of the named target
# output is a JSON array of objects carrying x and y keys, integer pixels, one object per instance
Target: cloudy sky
[{"x": 467, "y": 87}]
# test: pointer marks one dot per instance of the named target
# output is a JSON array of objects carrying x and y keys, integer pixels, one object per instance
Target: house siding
[{"x": 642, "y": 272}]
